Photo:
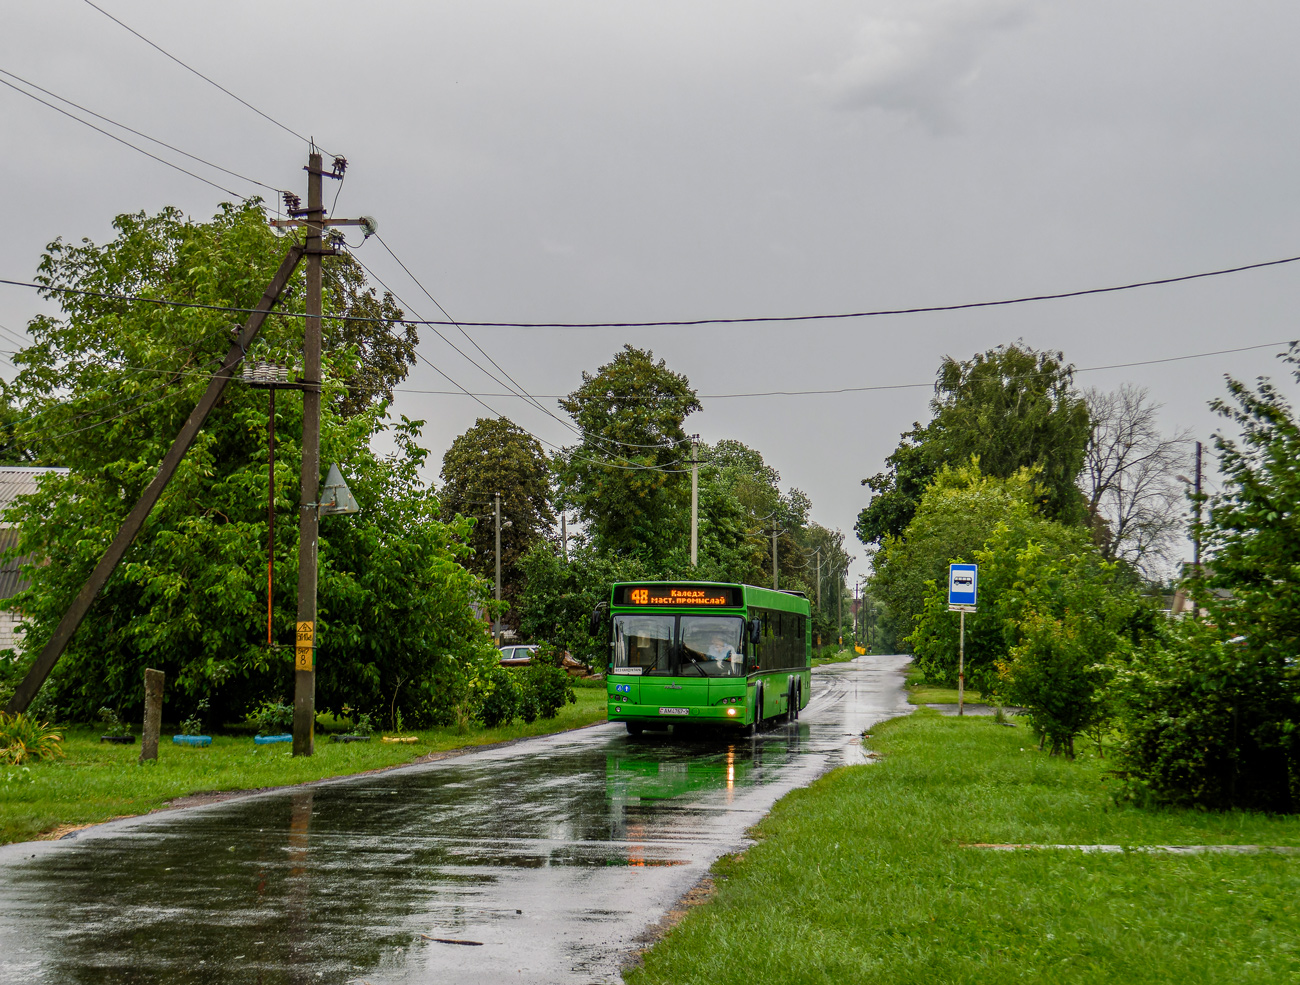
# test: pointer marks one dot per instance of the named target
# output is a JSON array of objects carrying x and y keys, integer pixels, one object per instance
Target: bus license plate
[{"x": 674, "y": 711}]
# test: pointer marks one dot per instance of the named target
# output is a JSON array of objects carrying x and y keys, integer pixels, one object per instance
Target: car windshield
[
  {"x": 643, "y": 645},
  {"x": 711, "y": 647}
]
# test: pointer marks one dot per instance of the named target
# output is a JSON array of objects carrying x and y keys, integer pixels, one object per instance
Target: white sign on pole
[{"x": 963, "y": 583}]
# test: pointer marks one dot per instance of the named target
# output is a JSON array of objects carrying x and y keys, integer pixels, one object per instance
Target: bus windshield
[
  {"x": 643, "y": 645},
  {"x": 711, "y": 646}
]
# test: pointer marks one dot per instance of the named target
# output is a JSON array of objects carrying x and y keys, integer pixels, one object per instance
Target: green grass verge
[
  {"x": 926, "y": 695},
  {"x": 920, "y": 693},
  {"x": 862, "y": 878},
  {"x": 835, "y": 657},
  {"x": 97, "y": 782}
]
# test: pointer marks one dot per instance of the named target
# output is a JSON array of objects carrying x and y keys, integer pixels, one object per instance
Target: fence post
[{"x": 153, "y": 700}]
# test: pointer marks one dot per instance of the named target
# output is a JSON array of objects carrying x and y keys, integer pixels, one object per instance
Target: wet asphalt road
[{"x": 553, "y": 855}]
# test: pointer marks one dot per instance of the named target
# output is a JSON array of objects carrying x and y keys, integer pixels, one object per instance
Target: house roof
[
  {"x": 20, "y": 480},
  {"x": 15, "y": 481}
]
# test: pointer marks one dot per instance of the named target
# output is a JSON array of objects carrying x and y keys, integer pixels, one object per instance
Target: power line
[
  {"x": 515, "y": 387},
  {"x": 756, "y": 393},
  {"x": 123, "y": 126},
  {"x": 522, "y": 392},
  {"x": 881, "y": 312},
  {"x": 120, "y": 140},
  {"x": 190, "y": 68},
  {"x": 491, "y": 410},
  {"x": 895, "y": 386},
  {"x": 629, "y": 464}
]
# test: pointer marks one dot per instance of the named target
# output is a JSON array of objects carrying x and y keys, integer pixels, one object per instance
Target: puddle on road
[{"x": 553, "y": 854}]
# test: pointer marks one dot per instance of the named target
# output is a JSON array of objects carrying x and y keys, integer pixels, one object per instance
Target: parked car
[{"x": 517, "y": 656}]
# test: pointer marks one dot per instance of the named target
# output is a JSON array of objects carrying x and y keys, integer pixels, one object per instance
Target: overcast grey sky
[{"x": 658, "y": 159}]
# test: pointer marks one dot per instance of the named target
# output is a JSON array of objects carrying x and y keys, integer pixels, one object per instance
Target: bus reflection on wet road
[{"x": 539, "y": 862}]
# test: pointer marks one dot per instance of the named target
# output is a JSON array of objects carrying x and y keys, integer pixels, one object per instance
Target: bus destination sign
[{"x": 706, "y": 596}]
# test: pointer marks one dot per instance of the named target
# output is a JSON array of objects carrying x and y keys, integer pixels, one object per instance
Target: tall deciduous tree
[
  {"x": 959, "y": 512},
  {"x": 628, "y": 478},
  {"x": 1012, "y": 407},
  {"x": 1130, "y": 480},
  {"x": 1211, "y": 712},
  {"x": 104, "y": 388},
  {"x": 497, "y": 456},
  {"x": 383, "y": 347}
]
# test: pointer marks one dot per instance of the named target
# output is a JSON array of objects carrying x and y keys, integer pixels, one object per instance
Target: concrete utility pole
[
  {"x": 839, "y": 588},
  {"x": 695, "y": 499},
  {"x": 564, "y": 535},
  {"x": 153, "y": 702},
  {"x": 818, "y": 553},
  {"x": 496, "y": 622},
  {"x": 775, "y": 580},
  {"x": 1196, "y": 540},
  {"x": 304, "y": 674}
]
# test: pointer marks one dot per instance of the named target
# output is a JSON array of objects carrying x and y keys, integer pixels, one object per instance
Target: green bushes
[
  {"x": 1210, "y": 722},
  {"x": 498, "y": 697},
  {"x": 539, "y": 690},
  {"x": 1210, "y": 711},
  {"x": 273, "y": 718}
]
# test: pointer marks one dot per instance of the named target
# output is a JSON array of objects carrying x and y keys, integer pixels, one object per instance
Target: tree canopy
[
  {"x": 628, "y": 477},
  {"x": 497, "y": 456},
  {"x": 105, "y": 386},
  {"x": 1011, "y": 408}
]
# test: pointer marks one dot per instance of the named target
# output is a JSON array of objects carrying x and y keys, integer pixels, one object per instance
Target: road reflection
[{"x": 544, "y": 860}]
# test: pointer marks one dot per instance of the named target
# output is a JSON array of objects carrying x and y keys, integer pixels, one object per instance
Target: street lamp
[{"x": 262, "y": 375}]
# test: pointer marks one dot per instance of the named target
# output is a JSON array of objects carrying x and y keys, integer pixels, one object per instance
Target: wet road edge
[{"x": 207, "y": 798}]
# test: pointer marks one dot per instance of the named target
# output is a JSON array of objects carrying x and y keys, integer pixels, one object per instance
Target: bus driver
[{"x": 725, "y": 654}]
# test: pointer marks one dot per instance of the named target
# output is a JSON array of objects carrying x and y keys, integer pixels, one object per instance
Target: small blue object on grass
[
  {"x": 266, "y": 740},
  {"x": 192, "y": 740}
]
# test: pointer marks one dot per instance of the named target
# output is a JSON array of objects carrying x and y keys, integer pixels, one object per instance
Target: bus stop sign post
[{"x": 963, "y": 582}]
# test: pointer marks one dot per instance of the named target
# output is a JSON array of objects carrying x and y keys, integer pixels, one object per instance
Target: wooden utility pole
[{"x": 304, "y": 674}]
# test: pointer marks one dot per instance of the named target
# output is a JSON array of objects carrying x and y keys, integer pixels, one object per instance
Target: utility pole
[
  {"x": 497, "y": 620},
  {"x": 818, "y": 553},
  {"x": 695, "y": 499},
  {"x": 304, "y": 674},
  {"x": 775, "y": 581},
  {"x": 839, "y": 627},
  {"x": 1196, "y": 539},
  {"x": 564, "y": 535}
]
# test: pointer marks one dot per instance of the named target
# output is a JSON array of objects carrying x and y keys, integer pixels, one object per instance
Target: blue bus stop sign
[{"x": 963, "y": 579}]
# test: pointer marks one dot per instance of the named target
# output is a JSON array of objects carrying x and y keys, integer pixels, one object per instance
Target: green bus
[{"x": 705, "y": 653}]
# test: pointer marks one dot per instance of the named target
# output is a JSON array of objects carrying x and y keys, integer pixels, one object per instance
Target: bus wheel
[
  {"x": 792, "y": 706},
  {"x": 757, "y": 723},
  {"x": 634, "y": 728}
]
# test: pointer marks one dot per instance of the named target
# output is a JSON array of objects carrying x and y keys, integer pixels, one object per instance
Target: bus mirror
[
  {"x": 597, "y": 617},
  {"x": 755, "y": 630}
]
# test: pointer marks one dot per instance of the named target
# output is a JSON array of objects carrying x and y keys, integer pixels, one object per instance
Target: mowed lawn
[
  {"x": 864, "y": 878},
  {"x": 100, "y": 781}
]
